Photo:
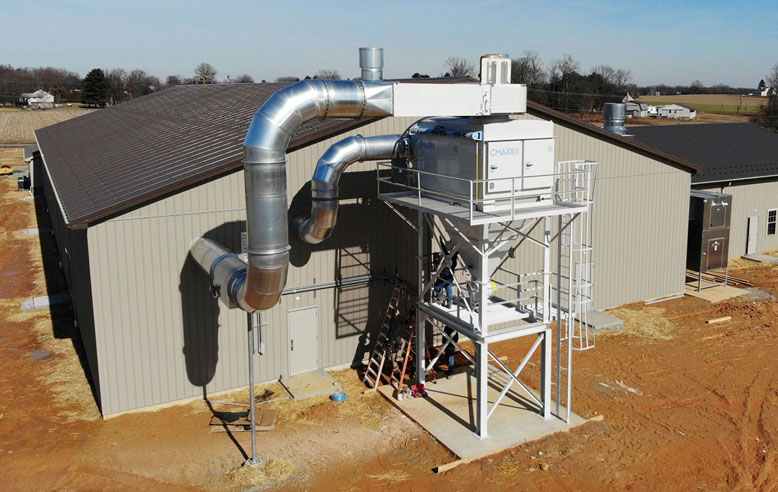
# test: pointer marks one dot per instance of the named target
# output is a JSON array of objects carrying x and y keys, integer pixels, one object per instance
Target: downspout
[
  {"x": 324, "y": 186},
  {"x": 264, "y": 164}
]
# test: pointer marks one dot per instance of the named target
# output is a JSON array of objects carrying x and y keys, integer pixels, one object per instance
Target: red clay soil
[{"x": 686, "y": 406}]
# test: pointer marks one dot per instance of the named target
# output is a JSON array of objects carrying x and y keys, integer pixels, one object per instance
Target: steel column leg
[
  {"x": 545, "y": 356},
  {"x": 421, "y": 374},
  {"x": 482, "y": 389}
]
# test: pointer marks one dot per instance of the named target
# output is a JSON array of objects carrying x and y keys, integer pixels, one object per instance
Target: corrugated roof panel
[
  {"x": 110, "y": 160},
  {"x": 726, "y": 151}
]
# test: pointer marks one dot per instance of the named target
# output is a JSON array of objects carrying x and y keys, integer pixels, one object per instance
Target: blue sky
[{"x": 729, "y": 42}]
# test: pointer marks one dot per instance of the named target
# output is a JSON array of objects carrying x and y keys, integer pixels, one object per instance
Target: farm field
[
  {"x": 711, "y": 103},
  {"x": 17, "y": 126},
  {"x": 679, "y": 405}
]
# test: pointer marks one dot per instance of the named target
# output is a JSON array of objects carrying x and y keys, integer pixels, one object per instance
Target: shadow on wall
[
  {"x": 364, "y": 245},
  {"x": 200, "y": 311},
  {"x": 63, "y": 316}
]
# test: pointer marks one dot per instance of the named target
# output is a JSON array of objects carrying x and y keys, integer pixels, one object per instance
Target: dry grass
[
  {"x": 18, "y": 125},
  {"x": 269, "y": 471},
  {"x": 366, "y": 408},
  {"x": 13, "y": 157},
  {"x": 61, "y": 373},
  {"x": 723, "y": 103},
  {"x": 392, "y": 476},
  {"x": 646, "y": 322}
]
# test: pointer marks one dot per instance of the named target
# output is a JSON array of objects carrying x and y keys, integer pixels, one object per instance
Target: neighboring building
[
  {"x": 740, "y": 159},
  {"x": 636, "y": 109},
  {"x": 767, "y": 91},
  {"x": 130, "y": 187},
  {"x": 676, "y": 111},
  {"x": 37, "y": 99},
  {"x": 652, "y": 111}
]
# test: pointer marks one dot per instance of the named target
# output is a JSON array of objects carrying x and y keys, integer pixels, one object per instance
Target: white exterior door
[
  {"x": 753, "y": 234},
  {"x": 303, "y": 327}
]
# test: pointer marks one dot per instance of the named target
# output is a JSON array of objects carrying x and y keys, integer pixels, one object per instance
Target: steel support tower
[{"x": 492, "y": 304}]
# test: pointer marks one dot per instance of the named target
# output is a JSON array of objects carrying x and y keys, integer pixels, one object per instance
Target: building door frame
[
  {"x": 752, "y": 235},
  {"x": 303, "y": 339}
]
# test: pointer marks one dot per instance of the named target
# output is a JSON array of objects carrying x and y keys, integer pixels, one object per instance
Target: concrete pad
[
  {"x": 760, "y": 258},
  {"x": 603, "y": 321},
  {"x": 36, "y": 232},
  {"x": 45, "y": 301},
  {"x": 713, "y": 294},
  {"x": 449, "y": 413},
  {"x": 310, "y": 384}
]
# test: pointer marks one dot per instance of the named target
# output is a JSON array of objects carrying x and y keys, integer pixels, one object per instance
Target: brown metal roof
[
  {"x": 109, "y": 161},
  {"x": 628, "y": 142}
]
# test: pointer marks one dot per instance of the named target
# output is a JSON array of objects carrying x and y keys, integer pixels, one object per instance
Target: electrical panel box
[
  {"x": 708, "y": 243},
  {"x": 495, "y": 162}
]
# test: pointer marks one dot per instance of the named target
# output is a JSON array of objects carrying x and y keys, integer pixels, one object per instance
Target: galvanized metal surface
[
  {"x": 318, "y": 226},
  {"x": 371, "y": 61}
]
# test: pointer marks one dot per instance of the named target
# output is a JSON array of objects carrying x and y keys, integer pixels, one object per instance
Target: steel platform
[{"x": 462, "y": 213}]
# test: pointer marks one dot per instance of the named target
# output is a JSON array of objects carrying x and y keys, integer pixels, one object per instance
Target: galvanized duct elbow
[
  {"x": 324, "y": 185},
  {"x": 265, "y": 169},
  {"x": 226, "y": 271}
]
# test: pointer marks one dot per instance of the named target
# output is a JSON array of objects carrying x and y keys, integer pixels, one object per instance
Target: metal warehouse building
[
  {"x": 739, "y": 159},
  {"x": 130, "y": 187}
]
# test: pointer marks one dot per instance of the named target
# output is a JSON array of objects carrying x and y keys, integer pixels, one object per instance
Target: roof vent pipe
[
  {"x": 614, "y": 115},
  {"x": 371, "y": 61},
  {"x": 324, "y": 185}
]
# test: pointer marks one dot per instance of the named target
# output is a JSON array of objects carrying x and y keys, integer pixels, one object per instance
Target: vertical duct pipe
[
  {"x": 371, "y": 61},
  {"x": 614, "y": 116},
  {"x": 324, "y": 185},
  {"x": 264, "y": 162}
]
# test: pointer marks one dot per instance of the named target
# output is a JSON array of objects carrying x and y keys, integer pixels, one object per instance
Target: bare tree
[
  {"x": 327, "y": 75},
  {"x": 607, "y": 72},
  {"x": 117, "y": 83},
  {"x": 458, "y": 67},
  {"x": 173, "y": 80},
  {"x": 528, "y": 70},
  {"x": 244, "y": 79},
  {"x": 563, "y": 66},
  {"x": 287, "y": 78},
  {"x": 772, "y": 77},
  {"x": 205, "y": 73},
  {"x": 622, "y": 78}
]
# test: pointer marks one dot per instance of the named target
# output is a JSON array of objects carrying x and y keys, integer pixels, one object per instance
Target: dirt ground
[
  {"x": 18, "y": 125},
  {"x": 685, "y": 405}
]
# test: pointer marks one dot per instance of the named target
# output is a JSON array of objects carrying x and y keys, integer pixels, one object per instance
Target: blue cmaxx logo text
[{"x": 510, "y": 151}]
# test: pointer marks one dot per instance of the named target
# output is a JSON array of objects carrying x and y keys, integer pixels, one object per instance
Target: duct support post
[
  {"x": 254, "y": 321},
  {"x": 571, "y": 323},
  {"x": 559, "y": 315},
  {"x": 482, "y": 347},
  {"x": 545, "y": 355},
  {"x": 421, "y": 318}
]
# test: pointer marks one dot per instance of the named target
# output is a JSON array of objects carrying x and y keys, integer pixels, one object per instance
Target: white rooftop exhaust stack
[
  {"x": 371, "y": 61},
  {"x": 495, "y": 70}
]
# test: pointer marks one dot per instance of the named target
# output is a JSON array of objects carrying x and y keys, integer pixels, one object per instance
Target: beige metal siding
[
  {"x": 161, "y": 337},
  {"x": 640, "y": 219},
  {"x": 749, "y": 199}
]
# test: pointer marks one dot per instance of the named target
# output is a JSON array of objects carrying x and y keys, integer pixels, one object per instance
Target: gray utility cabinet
[{"x": 709, "y": 222}]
